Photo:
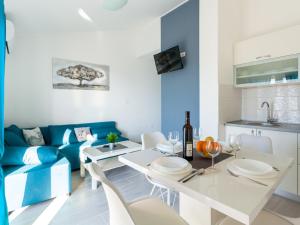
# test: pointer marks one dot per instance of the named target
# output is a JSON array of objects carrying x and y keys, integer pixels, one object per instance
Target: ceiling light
[
  {"x": 114, "y": 5},
  {"x": 84, "y": 15}
]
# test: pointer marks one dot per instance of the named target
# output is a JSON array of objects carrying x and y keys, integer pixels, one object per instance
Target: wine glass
[
  {"x": 197, "y": 133},
  {"x": 234, "y": 143},
  {"x": 173, "y": 139},
  {"x": 213, "y": 149}
]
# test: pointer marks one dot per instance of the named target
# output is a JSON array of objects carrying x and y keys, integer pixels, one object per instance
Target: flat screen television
[{"x": 169, "y": 60}]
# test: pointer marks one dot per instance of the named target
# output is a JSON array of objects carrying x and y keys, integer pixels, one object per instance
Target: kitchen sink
[{"x": 266, "y": 124}]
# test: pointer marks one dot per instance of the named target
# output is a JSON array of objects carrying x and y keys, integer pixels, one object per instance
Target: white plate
[
  {"x": 252, "y": 167},
  {"x": 237, "y": 171},
  {"x": 187, "y": 170},
  {"x": 170, "y": 164}
]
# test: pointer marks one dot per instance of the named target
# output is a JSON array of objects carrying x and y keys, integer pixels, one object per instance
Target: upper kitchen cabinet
[
  {"x": 273, "y": 45},
  {"x": 268, "y": 72}
]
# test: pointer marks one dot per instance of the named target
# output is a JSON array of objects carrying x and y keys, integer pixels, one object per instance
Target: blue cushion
[
  {"x": 62, "y": 135},
  {"x": 65, "y": 134},
  {"x": 46, "y": 135},
  {"x": 100, "y": 132},
  {"x": 15, "y": 129},
  {"x": 18, "y": 156},
  {"x": 12, "y": 139}
]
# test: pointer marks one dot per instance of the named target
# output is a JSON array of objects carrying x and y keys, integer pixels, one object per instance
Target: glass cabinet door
[{"x": 282, "y": 70}]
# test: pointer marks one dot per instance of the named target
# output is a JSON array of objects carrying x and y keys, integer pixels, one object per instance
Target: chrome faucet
[{"x": 269, "y": 119}]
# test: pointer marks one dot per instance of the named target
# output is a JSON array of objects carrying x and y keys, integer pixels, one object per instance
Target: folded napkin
[{"x": 168, "y": 147}]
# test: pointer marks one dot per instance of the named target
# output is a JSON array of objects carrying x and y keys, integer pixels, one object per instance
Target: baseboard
[{"x": 288, "y": 195}]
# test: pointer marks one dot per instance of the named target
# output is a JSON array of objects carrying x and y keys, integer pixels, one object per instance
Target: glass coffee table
[{"x": 106, "y": 158}]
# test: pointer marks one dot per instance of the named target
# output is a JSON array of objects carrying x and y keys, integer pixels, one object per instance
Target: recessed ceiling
[{"x": 63, "y": 16}]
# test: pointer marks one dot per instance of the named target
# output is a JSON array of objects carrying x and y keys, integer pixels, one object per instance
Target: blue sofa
[{"x": 30, "y": 184}]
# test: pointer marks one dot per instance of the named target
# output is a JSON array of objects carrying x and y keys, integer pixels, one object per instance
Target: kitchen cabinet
[
  {"x": 272, "y": 45},
  {"x": 232, "y": 130},
  {"x": 285, "y": 144},
  {"x": 282, "y": 70}
]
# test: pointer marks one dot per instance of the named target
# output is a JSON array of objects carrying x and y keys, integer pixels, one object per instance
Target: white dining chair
[
  {"x": 256, "y": 143},
  {"x": 148, "y": 211},
  {"x": 150, "y": 141},
  {"x": 266, "y": 217}
]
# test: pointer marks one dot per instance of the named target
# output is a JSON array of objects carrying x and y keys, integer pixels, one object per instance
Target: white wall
[
  {"x": 148, "y": 39},
  {"x": 219, "y": 30},
  {"x": 209, "y": 60},
  {"x": 133, "y": 100},
  {"x": 264, "y": 16},
  {"x": 229, "y": 34}
]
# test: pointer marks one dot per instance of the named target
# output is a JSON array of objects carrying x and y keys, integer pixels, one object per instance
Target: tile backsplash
[{"x": 284, "y": 102}]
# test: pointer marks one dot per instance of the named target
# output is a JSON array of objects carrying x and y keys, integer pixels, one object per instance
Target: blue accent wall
[{"x": 180, "y": 89}]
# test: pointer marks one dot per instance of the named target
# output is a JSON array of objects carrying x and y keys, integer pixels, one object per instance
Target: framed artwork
[{"x": 68, "y": 74}]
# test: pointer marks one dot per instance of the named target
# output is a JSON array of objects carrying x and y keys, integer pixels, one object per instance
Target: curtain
[{"x": 3, "y": 208}]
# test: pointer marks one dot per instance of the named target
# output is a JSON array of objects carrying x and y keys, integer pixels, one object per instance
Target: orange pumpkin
[{"x": 201, "y": 147}]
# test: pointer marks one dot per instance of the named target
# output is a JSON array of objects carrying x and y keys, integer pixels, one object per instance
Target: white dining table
[{"x": 207, "y": 198}]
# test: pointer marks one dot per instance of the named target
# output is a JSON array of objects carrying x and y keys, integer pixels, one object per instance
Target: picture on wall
[{"x": 68, "y": 74}]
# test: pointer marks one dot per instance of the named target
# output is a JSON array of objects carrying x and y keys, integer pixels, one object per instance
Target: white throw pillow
[
  {"x": 34, "y": 137},
  {"x": 82, "y": 133}
]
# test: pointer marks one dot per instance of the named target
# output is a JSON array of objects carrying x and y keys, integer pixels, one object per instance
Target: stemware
[
  {"x": 213, "y": 149},
  {"x": 197, "y": 133},
  {"x": 173, "y": 139},
  {"x": 234, "y": 143}
]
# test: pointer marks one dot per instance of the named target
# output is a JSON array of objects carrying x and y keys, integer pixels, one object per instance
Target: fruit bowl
[
  {"x": 202, "y": 145},
  {"x": 204, "y": 155}
]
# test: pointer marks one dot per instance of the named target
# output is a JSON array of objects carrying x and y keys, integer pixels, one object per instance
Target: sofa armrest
[{"x": 35, "y": 155}]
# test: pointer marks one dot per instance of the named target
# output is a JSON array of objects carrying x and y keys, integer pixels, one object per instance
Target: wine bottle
[{"x": 187, "y": 138}]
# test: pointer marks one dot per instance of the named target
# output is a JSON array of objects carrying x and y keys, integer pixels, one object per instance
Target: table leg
[
  {"x": 196, "y": 213},
  {"x": 82, "y": 170}
]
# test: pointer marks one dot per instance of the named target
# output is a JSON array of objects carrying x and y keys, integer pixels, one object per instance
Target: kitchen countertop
[{"x": 285, "y": 127}]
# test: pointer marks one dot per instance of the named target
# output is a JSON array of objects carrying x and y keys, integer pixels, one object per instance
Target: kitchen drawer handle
[{"x": 264, "y": 56}]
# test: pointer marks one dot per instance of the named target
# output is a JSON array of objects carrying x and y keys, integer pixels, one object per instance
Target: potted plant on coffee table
[{"x": 111, "y": 139}]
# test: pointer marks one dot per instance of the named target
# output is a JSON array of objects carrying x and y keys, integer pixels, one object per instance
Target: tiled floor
[{"x": 87, "y": 207}]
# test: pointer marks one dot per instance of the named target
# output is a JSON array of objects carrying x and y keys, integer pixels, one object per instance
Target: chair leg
[
  {"x": 162, "y": 195},
  {"x": 168, "y": 197},
  {"x": 152, "y": 190},
  {"x": 174, "y": 199}
]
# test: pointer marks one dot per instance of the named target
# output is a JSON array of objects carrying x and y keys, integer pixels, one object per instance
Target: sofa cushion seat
[
  {"x": 35, "y": 155},
  {"x": 30, "y": 184}
]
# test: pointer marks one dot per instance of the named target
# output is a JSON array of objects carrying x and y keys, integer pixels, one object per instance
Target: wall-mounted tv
[{"x": 169, "y": 60}]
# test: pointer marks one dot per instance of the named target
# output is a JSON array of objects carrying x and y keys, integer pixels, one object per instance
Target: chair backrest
[
  {"x": 150, "y": 140},
  {"x": 256, "y": 143},
  {"x": 118, "y": 210}
]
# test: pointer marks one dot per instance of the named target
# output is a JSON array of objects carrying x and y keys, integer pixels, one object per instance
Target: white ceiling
[{"x": 62, "y": 15}]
